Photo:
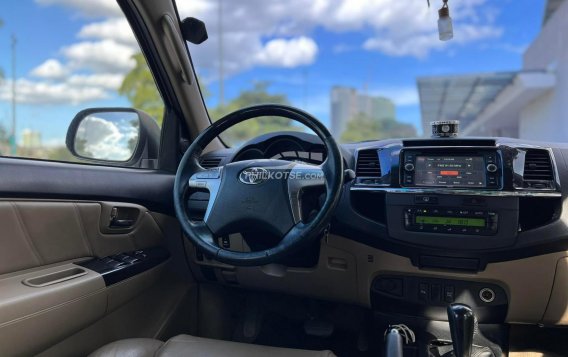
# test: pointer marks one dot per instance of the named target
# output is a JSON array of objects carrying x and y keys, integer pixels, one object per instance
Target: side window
[{"x": 87, "y": 66}]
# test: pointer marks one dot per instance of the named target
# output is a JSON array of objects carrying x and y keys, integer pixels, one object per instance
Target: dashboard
[
  {"x": 459, "y": 216},
  {"x": 480, "y": 199},
  {"x": 421, "y": 218}
]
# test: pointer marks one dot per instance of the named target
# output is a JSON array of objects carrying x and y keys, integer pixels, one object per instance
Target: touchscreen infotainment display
[{"x": 449, "y": 171}]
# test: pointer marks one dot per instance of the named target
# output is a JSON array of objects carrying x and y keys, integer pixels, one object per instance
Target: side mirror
[{"x": 115, "y": 136}]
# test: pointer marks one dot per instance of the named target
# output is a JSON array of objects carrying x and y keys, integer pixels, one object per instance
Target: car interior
[{"x": 291, "y": 244}]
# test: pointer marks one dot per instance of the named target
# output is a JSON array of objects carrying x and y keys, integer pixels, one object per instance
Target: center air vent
[
  {"x": 538, "y": 166},
  {"x": 368, "y": 164},
  {"x": 210, "y": 162}
]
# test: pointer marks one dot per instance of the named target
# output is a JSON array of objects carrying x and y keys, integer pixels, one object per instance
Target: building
[
  {"x": 347, "y": 103},
  {"x": 531, "y": 103},
  {"x": 31, "y": 139}
]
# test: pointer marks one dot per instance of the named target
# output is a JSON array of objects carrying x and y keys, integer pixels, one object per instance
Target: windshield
[
  {"x": 378, "y": 69},
  {"x": 368, "y": 69}
]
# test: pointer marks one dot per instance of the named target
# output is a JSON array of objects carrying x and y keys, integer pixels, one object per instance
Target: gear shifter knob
[{"x": 462, "y": 327}]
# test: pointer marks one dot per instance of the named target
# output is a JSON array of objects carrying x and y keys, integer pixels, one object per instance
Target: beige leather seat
[{"x": 190, "y": 346}]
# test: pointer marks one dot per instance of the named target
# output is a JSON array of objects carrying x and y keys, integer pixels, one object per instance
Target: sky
[{"x": 73, "y": 54}]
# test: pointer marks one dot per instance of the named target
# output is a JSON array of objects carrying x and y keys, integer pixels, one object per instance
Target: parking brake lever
[{"x": 462, "y": 327}]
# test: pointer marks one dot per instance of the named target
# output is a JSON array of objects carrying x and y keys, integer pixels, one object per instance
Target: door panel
[
  {"x": 33, "y": 318},
  {"x": 36, "y": 233},
  {"x": 47, "y": 303},
  {"x": 21, "y": 178}
]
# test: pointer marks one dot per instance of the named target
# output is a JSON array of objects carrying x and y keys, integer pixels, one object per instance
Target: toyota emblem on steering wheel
[{"x": 253, "y": 175}]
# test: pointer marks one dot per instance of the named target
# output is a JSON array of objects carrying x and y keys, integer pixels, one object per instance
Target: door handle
[
  {"x": 122, "y": 217},
  {"x": 121, "y": 223}
]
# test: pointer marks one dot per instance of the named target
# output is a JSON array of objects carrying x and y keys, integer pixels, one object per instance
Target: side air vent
[
  {"x": 538, "y": 166},
  {"x": 210, "y": 162},
  {"x": 368, "y": 164}
]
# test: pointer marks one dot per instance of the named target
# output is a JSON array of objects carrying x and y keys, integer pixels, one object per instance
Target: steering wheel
[{"x": 256, "y": 193}]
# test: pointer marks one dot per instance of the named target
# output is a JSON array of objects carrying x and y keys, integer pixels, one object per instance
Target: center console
[
  {"x": 450, "y": 210},
  {"x": 460, "y": 197}
]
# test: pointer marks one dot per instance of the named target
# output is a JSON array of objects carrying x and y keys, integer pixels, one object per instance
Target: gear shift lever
[{"x": 462, "y": 327}]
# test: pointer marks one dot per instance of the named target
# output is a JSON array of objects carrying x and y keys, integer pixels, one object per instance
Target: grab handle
[{"x": 54, "y": 278}]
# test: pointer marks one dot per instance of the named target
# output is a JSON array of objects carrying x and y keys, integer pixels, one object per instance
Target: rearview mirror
[{"x": 114, "y": 136}]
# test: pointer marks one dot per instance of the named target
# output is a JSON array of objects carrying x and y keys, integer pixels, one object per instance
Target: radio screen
[{"x": 450, "y": 171}]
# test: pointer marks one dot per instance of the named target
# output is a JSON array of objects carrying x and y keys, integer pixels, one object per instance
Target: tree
[
  {"x": 140, "y": 89},
  {"x": 3, "y": 140},
  {"x": 252, "y": 128},
  {"x": 60, "y": 153},
  {"x": 3, "y": 134},
  {"x": 363, "y": 128}
]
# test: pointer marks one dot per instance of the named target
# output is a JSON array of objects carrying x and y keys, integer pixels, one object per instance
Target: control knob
[
  {"x": 487, "y": 295},
  {"x": 492, "y": 168},
  {"x": 409, "y": 167}
]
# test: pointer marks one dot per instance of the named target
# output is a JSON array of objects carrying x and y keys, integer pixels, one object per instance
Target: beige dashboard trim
[
  {"x": 557, "y": 310},
  {"x": 528, "y": 282}
]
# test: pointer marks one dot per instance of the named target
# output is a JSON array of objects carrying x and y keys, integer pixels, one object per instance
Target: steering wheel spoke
[
  {"x": 302, "y": 176},
  {"x": 209, "y": 180},
  {"x": 205, "y": 233}
]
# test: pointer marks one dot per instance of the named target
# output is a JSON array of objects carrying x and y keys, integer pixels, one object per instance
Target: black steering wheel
[{"x": 256, "y": 193}]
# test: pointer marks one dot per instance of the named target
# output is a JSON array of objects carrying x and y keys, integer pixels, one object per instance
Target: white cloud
[
  {"x": 116, "y": 29},
  {"x": 256, "y": 33},
  {"x": 421, "y": 45},
  {"x": 294, "y": 52},
  {"x": 30, "y": 92},
  {"x": 517, "y": 49},
  {"x": 106, "y": 56},
  {"x": 267, "y": 32},
  {"x": 398, "y": 28},
  {"x": 50, "y": 69},
  {"x": 104, "y": 138},
  {"x": 417, "y": 46},
  {"x": 106, "y": 81},
  {"x": 88, "y": 8},
  {"x": 401, "y": 96}
]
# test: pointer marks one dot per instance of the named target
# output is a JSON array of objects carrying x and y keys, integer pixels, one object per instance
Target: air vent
[
  {"x": 368, "y": 164},
  {"x": 210, "y": 162},
  {"x": 538, "y": 166}
]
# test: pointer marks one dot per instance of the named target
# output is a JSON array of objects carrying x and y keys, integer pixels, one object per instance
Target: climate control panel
[{"x": 451, "y": 220}]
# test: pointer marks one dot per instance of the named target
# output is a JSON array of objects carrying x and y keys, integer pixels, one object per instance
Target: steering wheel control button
[
  {"x": 209, "y": 174},
  {"x": 492, "y": 168},
  {"x": 409, "y": 167},
  {"x": 487, "y": 295}
]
